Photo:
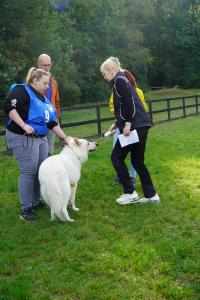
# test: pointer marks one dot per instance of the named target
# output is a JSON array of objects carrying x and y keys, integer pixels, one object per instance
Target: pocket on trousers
[
  {"x": 16, "y": 144},
  {"x": 13, "y": 140}
]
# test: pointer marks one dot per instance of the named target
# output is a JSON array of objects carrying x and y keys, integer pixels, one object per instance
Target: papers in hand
[{"x": 129, "y": 139}]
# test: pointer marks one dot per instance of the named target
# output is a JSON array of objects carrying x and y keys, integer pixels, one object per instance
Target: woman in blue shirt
[{"x": 31, "y": 115}]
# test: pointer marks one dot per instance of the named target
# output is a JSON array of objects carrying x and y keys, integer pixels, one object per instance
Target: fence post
[
  {"x": 196, "y": 102},
  {"x": 150, "y": 111},
  {"x": 168, "y": 109},
  {"x": 98, "y": 111},
  {"x": 184, "y": 112}
]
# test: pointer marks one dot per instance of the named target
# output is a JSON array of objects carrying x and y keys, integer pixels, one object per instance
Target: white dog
[{"x": 59, "y": 175}]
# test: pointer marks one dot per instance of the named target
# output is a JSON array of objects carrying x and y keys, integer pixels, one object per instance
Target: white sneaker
[
  {"x": 155, "y": 199},
  {"x": 128, "y": 198}
]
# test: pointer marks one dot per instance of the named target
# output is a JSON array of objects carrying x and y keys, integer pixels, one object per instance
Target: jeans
[
  {"x": 115, "y": 137},
  {"x": 29, "y": 153},
  {"x": 137, "y": 151}
]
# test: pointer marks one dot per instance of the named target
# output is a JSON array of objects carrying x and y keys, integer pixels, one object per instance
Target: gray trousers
[
  {"x": 29, "y": 153},
  {"x": 51, "y": 141}
]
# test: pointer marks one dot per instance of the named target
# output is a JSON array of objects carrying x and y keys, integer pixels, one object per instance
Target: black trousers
[{"x": 137, "y": 150}]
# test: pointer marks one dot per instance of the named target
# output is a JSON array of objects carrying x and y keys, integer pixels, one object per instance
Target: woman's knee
[
  {"x": 29, "y": 167},
  {"x": 137, "y": 164}
]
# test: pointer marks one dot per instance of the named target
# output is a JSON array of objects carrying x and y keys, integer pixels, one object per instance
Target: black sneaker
[
  {"x": 27, "y": 215},
  {"x": 38, "y": 206}
]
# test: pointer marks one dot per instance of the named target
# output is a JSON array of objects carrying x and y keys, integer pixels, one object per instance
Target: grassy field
[
  {"x": 110, "y": 252},
  {"x": 170, "y": 93}
]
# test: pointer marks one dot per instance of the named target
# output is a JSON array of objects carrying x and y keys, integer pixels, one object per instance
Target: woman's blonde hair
[
  {"x": 35, "y": 73},
  {"x": 112, "y": 63}
]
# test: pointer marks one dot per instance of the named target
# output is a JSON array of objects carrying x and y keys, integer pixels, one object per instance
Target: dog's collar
[{"x": 73, "y": 152}]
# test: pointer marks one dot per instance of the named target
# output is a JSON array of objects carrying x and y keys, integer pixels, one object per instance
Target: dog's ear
[{"x": 77, "y": 142}]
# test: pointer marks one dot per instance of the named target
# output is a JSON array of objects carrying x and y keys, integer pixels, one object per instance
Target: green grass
[
  {"x": 110, "y": 252},
  {"x": 170, "y": 93}
]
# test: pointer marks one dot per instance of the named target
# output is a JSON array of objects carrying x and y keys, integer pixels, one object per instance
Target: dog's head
[
  {"x": 91, "y": 146},
  {"x": 81, "y": 147}
]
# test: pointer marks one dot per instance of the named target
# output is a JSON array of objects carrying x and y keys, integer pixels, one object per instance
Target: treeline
[{"x": 158, "y": 40}]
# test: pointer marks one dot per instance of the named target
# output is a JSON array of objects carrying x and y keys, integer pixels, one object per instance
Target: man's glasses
[{"x": 47, "y": 65}]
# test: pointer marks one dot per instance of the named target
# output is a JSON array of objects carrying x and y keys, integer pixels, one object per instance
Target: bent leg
[
  {"x": 51, "y": 141},
  {"x": 132, "y": 170},
  {"x": 118, "y": 160},
  {"x": 43, "y": 154},
  {"x": 137, "y": 158},
  {"x": 66, "y": 215},
  {"x": 26, "y": 152},
  {"x": 73, "y": 196}
]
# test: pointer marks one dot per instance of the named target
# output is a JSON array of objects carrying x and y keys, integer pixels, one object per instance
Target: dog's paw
[
  {"x": 70, "y": 220},
  {"x": 75, "y": 208}
]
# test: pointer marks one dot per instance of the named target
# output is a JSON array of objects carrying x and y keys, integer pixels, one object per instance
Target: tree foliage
[{"x": 157, "y": 40}]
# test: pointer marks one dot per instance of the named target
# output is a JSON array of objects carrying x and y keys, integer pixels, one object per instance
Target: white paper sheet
[{"x": 128, "y": 140}]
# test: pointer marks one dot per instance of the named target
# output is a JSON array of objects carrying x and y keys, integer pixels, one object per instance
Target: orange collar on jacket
[{"x": 55, "y": 99}]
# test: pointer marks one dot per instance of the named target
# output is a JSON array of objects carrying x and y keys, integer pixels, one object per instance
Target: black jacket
[{"x": 127, "y": 105}]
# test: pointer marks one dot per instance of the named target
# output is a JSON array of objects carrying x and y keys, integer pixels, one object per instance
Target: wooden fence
[{"x": 163, "y": 108}]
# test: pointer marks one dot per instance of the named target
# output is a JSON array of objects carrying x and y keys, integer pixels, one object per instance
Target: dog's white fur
[{"x": 59, "y": 175}]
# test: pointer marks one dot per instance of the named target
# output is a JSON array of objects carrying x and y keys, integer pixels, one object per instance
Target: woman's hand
[
  {"x": 110, "y": 131},
  {"x": 127, "y": 129},
  {"x": 13, "y": 114},
  {"x": 28, "y": 129},
  {"x": 61, "y": 134},
  {"x": 66, "y": 140},
  {"x": 112, "y": 127}
]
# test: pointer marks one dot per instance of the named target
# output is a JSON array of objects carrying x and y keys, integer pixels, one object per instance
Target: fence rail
[{"x": 183, "y": 105}]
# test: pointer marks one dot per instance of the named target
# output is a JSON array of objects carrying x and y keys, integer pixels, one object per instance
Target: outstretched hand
[{"x": 66, "y": 140}]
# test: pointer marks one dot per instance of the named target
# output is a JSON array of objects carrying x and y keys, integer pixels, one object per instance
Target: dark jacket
[{"x": 127, "y": 105}]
